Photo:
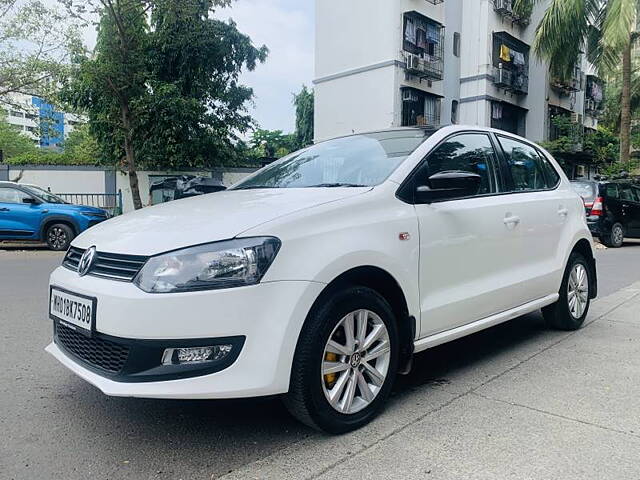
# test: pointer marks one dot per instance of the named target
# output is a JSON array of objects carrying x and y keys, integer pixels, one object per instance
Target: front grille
[
  {"x": 100, "y": 353},
  {"x": 114, "y": 266}
]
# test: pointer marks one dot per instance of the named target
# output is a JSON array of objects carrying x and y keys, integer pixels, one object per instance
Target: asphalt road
[{"x": 55, "y": 425}]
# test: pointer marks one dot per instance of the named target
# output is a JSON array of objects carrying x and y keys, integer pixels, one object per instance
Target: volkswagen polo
[{"x": 320, "y": 276}]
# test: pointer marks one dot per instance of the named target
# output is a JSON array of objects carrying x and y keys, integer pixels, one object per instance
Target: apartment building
[
  {"x": 39, "y": 120},
  {"x": 389, "y": 63}
]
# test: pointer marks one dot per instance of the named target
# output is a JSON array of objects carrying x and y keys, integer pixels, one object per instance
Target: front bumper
[{"x": 268, "y": 317}]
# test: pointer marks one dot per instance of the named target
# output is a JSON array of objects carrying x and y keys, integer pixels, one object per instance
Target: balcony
[
  {"x": 574, "y": 83},
  {"x": 510, "y": 80},
  {"x": 594, "y": 95},
  {"x": 504, "y": 8},
  {"x": 423, "y": 47}
]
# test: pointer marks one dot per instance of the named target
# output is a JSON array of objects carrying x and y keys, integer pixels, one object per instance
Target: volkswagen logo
[{"x": 86, "y": 261}]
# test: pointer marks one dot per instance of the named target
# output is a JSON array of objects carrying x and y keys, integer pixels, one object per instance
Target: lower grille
[{"x": 103, "y": 354}]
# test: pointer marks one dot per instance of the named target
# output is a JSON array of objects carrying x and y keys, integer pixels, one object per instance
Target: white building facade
[
  {"x": 390, "y": 63},
  {"x": 38, "y": 120}
]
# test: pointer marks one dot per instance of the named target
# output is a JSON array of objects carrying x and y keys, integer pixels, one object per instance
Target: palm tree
[{"x": 608, "y": 31}]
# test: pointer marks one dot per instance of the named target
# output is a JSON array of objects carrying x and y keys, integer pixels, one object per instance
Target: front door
[
  {"x": 630, "y": 205},
  {"x": 464, "y": 245},
  {"x": 18, "y": 219}
]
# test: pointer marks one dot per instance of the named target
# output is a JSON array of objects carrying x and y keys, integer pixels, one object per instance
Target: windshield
[
  {"x": 43, "y": 194},
  {"x": 355, "y": 161},
  {"x": 586, "y": 190}
]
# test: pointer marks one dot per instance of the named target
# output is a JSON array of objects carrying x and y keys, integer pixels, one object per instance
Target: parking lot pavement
[{"x": 514, "y": 401}]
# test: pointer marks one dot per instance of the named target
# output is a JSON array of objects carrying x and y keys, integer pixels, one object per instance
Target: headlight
[{"x": 232, "y": 263}]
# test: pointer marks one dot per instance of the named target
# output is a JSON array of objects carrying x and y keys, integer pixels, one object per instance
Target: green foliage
[
  {"x": 36, "y": 43},
  {"x": 271, "y": 144},
  {"x": 304, "y": 103},
  {"x": 12, "y": 142},
  {"x": 616, "y": 168},
  {"x": 172, "y": 93},
  {"x": 603, "y": 145},
  {"x": 568, "y": 137}
]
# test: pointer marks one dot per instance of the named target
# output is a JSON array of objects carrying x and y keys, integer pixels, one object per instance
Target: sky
[{"x": 286, "y": 27}]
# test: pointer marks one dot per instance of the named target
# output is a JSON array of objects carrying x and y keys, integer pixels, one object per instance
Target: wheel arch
[
  {"x": 53, "y": 219},
  {"x": 385, "y": 284},
  {"x": 583, "y": 246}
]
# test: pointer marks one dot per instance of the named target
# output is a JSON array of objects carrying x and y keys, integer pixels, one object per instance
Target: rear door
[
  {"x": 18, "y": 219},
  {"x": 630, "y": 204},
  {"x": 541, "y": 207}
]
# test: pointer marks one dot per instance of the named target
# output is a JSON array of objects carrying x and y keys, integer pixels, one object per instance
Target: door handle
[
  {"x": 563, "y": 212},
  {"x": 3, "y": 209},
  {"x": 511, "y": 220}
]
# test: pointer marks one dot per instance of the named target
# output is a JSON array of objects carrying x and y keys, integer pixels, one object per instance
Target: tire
[
  {"x": 309, "y": 391},
  {"x": 564, "y": 315},
  {"x": 615, "y": 239},
  {"x": 58, "y": 236}
]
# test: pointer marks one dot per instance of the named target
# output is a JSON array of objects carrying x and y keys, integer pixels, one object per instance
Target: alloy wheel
[
  {"x": 617, "y": 235},
  {"x": 355, "y": 361},
  {"x": 578, "y": 290},
  {"x": 57, "y": 237}
]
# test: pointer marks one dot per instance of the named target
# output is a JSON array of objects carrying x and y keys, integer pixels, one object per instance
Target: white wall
[{"x": 62, "y": 181}]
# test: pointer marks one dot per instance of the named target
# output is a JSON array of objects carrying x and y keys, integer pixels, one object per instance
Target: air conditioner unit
[
  {"x": 575, "y": 118},
  {"x": 581, "y": 171},
  {"x": 413, "y": 62}
]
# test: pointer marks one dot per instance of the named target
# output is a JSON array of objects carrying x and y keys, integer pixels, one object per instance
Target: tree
[
  {"x": 304, "y": 103},
  {"x": 161, "y": 89},
  {"x": 12, "y": 141},
  {"x": 36, "y": 43},
  {"x": 606, "y": 28},
  {"x": 271, "y": 144}
]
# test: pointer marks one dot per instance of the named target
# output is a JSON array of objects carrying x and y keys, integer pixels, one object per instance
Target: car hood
[
  {"x": 203, "y": 219},
  {"x": 74, "y": 208}
]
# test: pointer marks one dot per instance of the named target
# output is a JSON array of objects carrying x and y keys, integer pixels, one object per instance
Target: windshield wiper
[
  {"x": 334, "y": 185},
  {"x": 252, "y": 187}
]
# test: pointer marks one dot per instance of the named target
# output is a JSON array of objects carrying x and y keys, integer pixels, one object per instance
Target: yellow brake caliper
[{"x": 330, "y": 378}]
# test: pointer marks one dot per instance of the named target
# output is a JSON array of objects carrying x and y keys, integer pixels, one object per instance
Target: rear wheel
[
  {"x": 58, "y": 236},
  {"x": 616, "y": 238},
  {"x": 569, "y": 312},
  {"x": 345, "y": 362}
]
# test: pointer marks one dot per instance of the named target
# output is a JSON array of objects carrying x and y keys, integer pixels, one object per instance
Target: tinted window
[
  {"x": 469, "y": 152},
  {"x": 357, "y": 160},
  {"x": 636, "y": 193},
  {"x": 586, "y": 190},
  {"x": 612, "y": 190},
  {"x": 528, "y": 169},
  {"x": 627, "y": 193},
  {"x": 11, "y": 195}
]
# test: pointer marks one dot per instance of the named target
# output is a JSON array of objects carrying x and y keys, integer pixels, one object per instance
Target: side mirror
[
  {"x": 447, "y": 185},
  {"x": 31, "y": 200}
]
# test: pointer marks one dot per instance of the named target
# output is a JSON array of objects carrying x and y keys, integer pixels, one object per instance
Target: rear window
[{"x": 586, "y": 190}]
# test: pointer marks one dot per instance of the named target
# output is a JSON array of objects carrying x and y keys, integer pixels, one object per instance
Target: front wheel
[
  {"x": 59, "y": 236},
  {"x": 571, "y": 309},
  {"x": 345, "y": 362}
]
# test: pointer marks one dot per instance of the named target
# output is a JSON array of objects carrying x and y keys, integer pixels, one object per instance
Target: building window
[
  {"x": 456, "y": 44},
  {"x": 419, "y": 108},
  {"x": 510, "y": 63},
  {"x": 508, "y": 117},
  {"x": 454, "y": 111},
  {"x": 423, "y": 44},
  {"x": 15, "y": 113}
]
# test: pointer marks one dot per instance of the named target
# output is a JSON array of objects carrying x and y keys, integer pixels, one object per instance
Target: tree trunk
[
  {"x": 130, "y": 156},
  {"x": 625, "y": 107}
]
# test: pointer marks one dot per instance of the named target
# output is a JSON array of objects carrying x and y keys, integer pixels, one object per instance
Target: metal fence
[{"x": 111, "y": 202}]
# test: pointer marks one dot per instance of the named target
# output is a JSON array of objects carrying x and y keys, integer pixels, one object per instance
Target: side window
[
  {"x": 612, "y": 190},
  {"x": 528, "y": 169},
  {"x": 626, "y": 193},
  {"x": 11, "y": 195},
  {"x": 636, "y": 193},
  {"x": 552, "y": 175},
  {"x": 470, "y": 152}
]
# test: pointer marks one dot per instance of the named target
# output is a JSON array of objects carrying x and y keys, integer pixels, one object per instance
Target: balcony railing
[
  {"x": 428, "y": 66},
  {"x": 505, "y": 9},
  {"x": 435, "y": 2},
  {"x": 570, "y": 85},
  {"x": 511, "y": 80}
]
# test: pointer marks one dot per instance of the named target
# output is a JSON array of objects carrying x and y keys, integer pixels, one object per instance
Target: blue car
[{"x": 30, "y": 213}]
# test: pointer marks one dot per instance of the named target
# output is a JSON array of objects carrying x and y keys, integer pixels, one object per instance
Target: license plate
[{"x": 73, "y": 310}]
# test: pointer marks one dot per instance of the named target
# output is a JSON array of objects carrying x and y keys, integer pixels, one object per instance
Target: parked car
[
  {"x": 612, "y": 208},
  {"x": 319, "y": 276},
  {"x": 30, "y": 213},
  {"x": 183, "y": 186}
]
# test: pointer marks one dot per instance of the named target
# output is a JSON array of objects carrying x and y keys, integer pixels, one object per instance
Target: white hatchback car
[{"x": 319, "y": 276}]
